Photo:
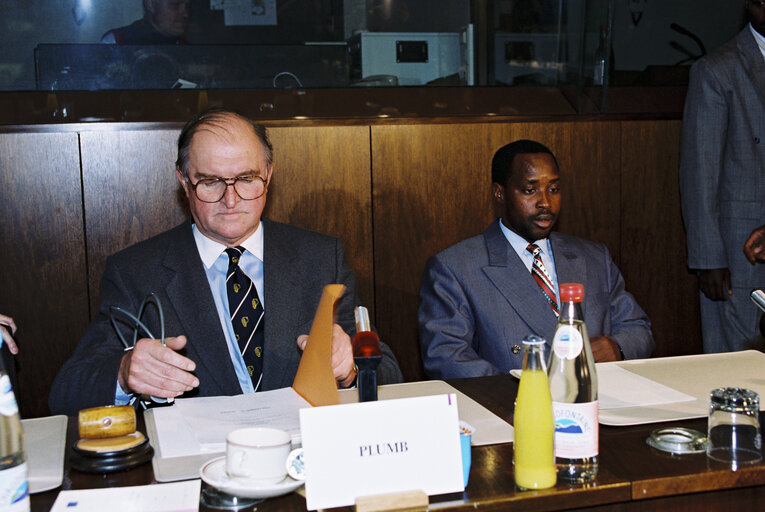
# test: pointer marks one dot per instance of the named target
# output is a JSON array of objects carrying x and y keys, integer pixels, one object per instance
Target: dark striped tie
[
  {"x": 246, "y": 315},
  {"x": 542, "y": 277}
]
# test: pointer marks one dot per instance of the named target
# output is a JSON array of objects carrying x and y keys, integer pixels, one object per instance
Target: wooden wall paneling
[
  {"x": 130, "y": 193},
  {"x": 653, "y": 237},
  {"x": 588, "y": 157},
  {"x": 41, "y": 255},
  {"x": 322, "y": 182},
  {"x": 431, "y": 189}
]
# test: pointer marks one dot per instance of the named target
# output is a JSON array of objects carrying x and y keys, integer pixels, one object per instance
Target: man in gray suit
[
  {"x": 722, "y": 182},
  {"x": 478, "y": 298},
  {"x": 224, "y": 166}
]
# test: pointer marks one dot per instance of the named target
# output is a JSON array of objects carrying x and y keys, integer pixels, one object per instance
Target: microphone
[
  {"x": 682, "y": 30},
  {"x": 758, "y": 297},
  {"x": 366, "y": 354}
]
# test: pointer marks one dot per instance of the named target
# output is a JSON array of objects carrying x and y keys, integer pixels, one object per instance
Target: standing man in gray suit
[
  {"x": 224, "y": 167},
  {"x": 722, "y": 182},
  {"x": 479, "y": 298}
]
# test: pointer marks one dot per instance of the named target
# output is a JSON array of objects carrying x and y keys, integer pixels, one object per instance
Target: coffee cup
[{"x": 257, "y": 454}]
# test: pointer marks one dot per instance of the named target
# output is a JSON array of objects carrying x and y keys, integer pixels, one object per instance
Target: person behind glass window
[{"x": 163, "y": 22}]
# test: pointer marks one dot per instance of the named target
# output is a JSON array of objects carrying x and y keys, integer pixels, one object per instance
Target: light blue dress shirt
[
  {"x": 519, "y": 245},
  {"x": 215, "y": 261}
]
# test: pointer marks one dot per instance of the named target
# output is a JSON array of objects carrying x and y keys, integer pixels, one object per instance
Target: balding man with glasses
[{"x": 238, "y": 291}]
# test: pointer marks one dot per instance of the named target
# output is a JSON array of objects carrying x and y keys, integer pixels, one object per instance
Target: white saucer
[{"x": 214, "y": 473}]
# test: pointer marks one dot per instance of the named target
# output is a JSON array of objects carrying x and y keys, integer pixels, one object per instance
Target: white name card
[{"x": 382, "y": 447}]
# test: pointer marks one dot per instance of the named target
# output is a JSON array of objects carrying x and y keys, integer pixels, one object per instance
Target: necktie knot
[
  {"x": 533, "y": 249},
  {"x": 234, "y": 253},
  {"x": 542, "y": 277}
]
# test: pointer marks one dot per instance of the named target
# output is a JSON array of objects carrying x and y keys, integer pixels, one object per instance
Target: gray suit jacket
[
  {"x": 722, "y": 164},
  {"x": 477, "y": 300},
  {"x": 297, "y": 265}
]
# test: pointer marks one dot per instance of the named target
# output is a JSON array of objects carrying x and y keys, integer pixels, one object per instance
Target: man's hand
[
  {"x": 605, "y": 349},
  {"x": 155, "y": 370},
  {"x": 754, "y": 247},
  {"x": 715, "y": 283},
  {"x": 342, "y": 355},
  {"x": 8, "y": 328}
]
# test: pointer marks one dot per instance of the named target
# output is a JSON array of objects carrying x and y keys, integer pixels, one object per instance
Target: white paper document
[
  {"x": 174, "y": 497},
  {"x": 694, "y": 376},
  {"x": 198, "y": 425},
  {"x": 382, "y": 447},
  {"x": 619, "y": 388}
]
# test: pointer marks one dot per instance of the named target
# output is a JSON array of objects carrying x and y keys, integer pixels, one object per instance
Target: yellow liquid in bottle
[{"x": 534, "y": 430}]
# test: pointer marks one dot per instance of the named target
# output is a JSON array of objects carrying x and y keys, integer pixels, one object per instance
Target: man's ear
[
  {"x": 182, "y": 180},
  {"x": 498, "y": 193}
]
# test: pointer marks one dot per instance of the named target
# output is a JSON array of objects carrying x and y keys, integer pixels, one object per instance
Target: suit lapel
[
  {"x": 754, "y": 62},
  {"x": 569, "y": 266},
  {"x": 281, "y": 278},
  {"x": 190, "y": 296},
  {"x": 508, "y": 273}
]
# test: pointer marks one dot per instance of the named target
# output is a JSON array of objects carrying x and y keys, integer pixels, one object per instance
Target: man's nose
[{"x": 230, "y": 198}]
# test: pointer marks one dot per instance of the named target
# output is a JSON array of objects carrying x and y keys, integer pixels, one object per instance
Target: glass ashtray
[{"x": 678, "y": 440}]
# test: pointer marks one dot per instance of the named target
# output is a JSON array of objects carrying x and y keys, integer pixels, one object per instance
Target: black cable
[{"x": 152, "y": 298}]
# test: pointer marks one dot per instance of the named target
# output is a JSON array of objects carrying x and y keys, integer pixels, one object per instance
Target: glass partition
[{"x": 586, "y": 49}]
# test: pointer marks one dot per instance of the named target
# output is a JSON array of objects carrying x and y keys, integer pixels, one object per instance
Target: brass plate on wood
[{"x": 110, "y": 445}]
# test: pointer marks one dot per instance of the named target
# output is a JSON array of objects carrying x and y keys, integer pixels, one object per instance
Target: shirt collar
[
  {"x": 210, "y": 250},
  {"x": 759, "y": 38},
  {"x": 519, "y": 243}
]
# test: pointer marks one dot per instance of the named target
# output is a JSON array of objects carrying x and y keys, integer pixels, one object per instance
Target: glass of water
[{"x": 734, "y": 426}]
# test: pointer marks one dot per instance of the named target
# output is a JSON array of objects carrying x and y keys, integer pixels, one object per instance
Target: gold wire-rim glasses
[{"x": 211, "y": 184}]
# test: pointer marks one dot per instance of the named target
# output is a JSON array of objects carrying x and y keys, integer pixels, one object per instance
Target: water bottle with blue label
[
  {"x": 574, "y": 391},
  {"x": 14, "y": 488}
]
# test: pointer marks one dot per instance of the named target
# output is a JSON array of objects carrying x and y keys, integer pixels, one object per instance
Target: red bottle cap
[{"x": 571, "y": 292}]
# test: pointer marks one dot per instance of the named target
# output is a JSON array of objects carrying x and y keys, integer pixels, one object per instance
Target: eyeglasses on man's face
[{"x": 212, "y": 190}]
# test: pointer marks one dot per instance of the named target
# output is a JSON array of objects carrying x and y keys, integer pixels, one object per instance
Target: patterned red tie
[{"x": 542, "y": 277}]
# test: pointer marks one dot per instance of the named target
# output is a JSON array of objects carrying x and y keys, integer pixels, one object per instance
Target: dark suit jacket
[
  {"x": 722, "y": 162},
  {"x": 297, "y": 265},
  {"x": 477, "y": 300}
]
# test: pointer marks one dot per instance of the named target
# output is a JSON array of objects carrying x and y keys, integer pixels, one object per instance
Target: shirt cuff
[{"x": 120, "y": 397}]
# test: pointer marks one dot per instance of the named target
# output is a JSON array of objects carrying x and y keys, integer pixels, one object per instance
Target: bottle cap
[
  {"x": 571, "y": 292},
  {"x": 533, "y": 340}
]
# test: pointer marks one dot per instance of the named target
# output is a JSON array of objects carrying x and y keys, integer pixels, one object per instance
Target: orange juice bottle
[{"x": 533, "y": 422}]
